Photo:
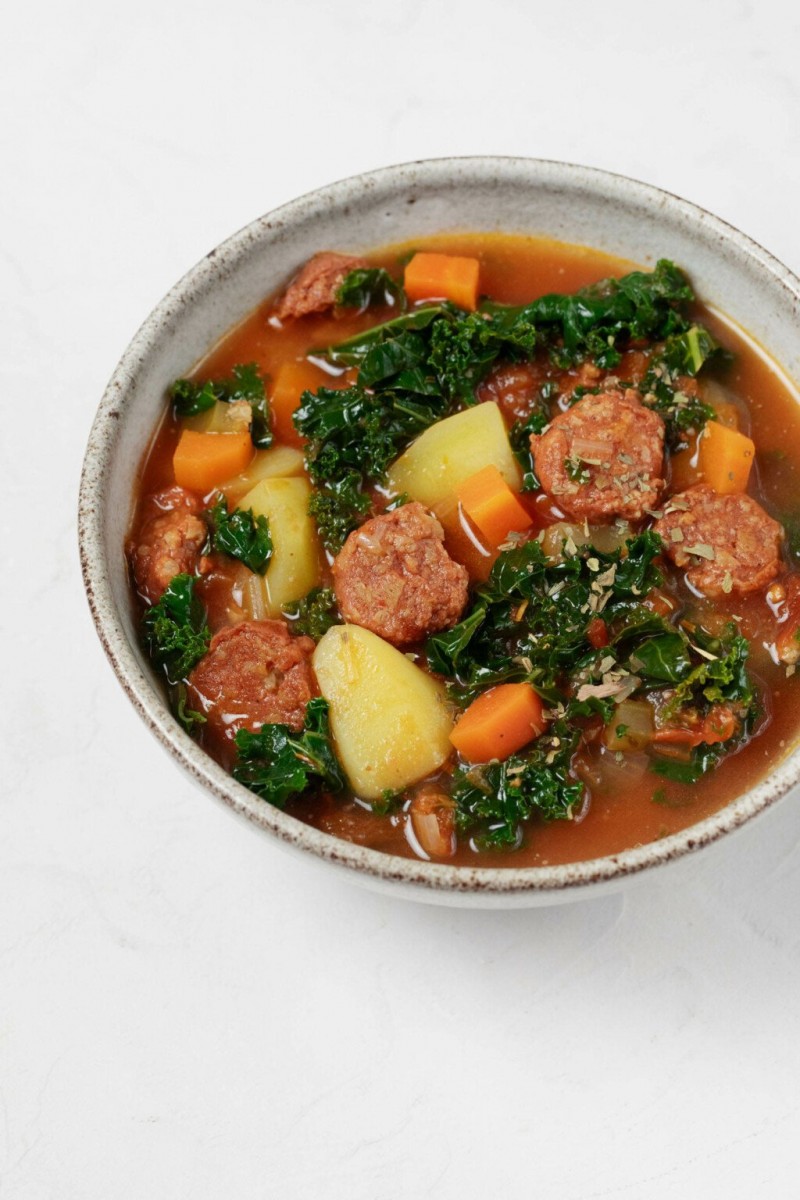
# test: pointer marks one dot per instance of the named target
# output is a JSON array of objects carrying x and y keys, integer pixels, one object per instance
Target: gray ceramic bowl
[{"x": 571, "y": 203}]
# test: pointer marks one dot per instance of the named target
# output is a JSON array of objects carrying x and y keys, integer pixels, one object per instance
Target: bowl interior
[{"x": 572, "y": 204}]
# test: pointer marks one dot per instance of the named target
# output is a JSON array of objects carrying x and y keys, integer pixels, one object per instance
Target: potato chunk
[
  {"x": 446, "y": 455},
  {"x": 295, "y": 565},
  {"x": 390, "y": 721},
  {"x": 279, "y": 462}
]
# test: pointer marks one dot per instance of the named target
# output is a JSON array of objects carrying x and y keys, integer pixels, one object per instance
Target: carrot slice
[
  {"x": 725, "y": 458},
  {"x": 499, "y": 722},
  {"x": 291, "y": 380},
  {"x": 491, "y": 505},
  {"x": 202, "y": 460},
  {"x": 443, "y": 277}
]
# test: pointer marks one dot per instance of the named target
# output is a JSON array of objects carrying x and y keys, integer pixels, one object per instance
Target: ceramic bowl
[{"x": 559, "y": 200}]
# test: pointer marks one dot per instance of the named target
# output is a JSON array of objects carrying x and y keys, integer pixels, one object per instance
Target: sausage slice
[
  {"x": 394, "y": 576},
  {"x": 726, "y": 543},
  {"x": 603, "y": 458},
  {"x": 254, "y": 674},
  {"x": 314, "y": 288},
  {"x": 169, "y": 542}
]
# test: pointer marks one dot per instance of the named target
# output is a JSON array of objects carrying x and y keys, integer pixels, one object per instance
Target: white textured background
[{"x": 185, "y": 1011}]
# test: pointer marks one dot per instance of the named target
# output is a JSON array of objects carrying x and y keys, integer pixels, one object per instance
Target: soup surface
[{"x": 505, "y": 582}]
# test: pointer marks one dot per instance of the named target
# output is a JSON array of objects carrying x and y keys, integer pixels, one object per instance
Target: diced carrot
[
  {"x": 491, "y": 505},
  {"x": 597, "y": 633},
  {"x": 291, "y": 380},
  {"x": 499, "y": 722},
  {"x": 443, "y": 277},
  {"x": 725, "y": 458},
  {"x": 203, "y": 460}
]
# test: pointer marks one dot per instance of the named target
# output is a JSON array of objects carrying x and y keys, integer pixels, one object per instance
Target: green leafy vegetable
[
  {"x": 314, "y": 614},
  {"x": 664, "y": 658},
  {"x": 529, "y": 621},
  {"x": 722, "y": 679},
  {"x": 337, "y": 507},
  {"x": 277, "y": 764},
  {"x": 353, "y": 436},
  {"x": 684, "y": 354},
  {"x": 189, "y": 718},
  {"x": 493, "y": 801},
  {"x": 190, "y": 398},
  {"x": 175, "y": 629},
  {"x": 241, "y": 535},
  {"x": 368, "y": 286}
]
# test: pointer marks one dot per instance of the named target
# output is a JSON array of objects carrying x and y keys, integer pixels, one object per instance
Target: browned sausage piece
[
  {"x": 254, "y": 674},
  {"x": 394, "y": 576},
  {"x": 726, "y": 543},
  {"x": 603, "y": 458},
  {"x": 314, "y": 288},
  {"x": 515, "y": 388},
  {"x": 169, "y": 542}
]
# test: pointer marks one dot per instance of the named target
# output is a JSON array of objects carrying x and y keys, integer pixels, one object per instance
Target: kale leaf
[
  {"x": 684, "y": 354},
  {"x": 277, "y": 764},
  {"x": 191, "y": 398},
  {"x": 529, "y": 620},
  {"x": 240, "y": 534},
  {"x": 353, "y": 436},
  {"x": 722, "y": 679},
  {"x": 493, "y": 801},
  {"x": 338, "y": 507},
  {"x": 368, "y": 286},
  {"x": 314, "y": 614},
  {"x": 175, "y": 630}
]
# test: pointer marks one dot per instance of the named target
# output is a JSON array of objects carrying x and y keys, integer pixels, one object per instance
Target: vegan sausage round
[
  {"x": 255, "y": 673},
  {"x": 603, "y": 458},
  {"x": 394, "y": 576},
  {"x": 170, "y": 541},
  {"x": 725, "y": 543},
  {"x": 314, "y": 288}
]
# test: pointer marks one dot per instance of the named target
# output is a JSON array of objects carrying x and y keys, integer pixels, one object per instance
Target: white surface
[{"x": 185, "y": 1011}]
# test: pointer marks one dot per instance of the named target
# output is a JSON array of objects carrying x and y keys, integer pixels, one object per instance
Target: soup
[{"x": 481, "y": 549}]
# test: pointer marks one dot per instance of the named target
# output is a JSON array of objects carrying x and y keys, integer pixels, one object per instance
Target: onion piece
[
  {"x": 432, "y": 818},
  {"x": 254, "y": 600},
  {"x": 638, "y": 719}
]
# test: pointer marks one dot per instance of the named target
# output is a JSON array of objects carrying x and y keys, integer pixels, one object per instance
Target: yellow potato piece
[
  {"x": 444, "y": 456},
  {"x": 279, "y": 462},
  {"x": 390, "y": 721},
  {"x": 295, "y": 565}
]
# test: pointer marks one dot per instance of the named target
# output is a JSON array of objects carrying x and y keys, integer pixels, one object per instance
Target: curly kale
[
  {"x": 493, "y": 801},
  {"x": 278, "y": 764},
  {"x": 241, "y": 535},
  {"x": 190, "y": 398},
  {"x": 175, "y": 630},
  {"x": 314, "y": 614},
  {"x": 368, "y": 286},
  {"x": 530, "y": 620}
]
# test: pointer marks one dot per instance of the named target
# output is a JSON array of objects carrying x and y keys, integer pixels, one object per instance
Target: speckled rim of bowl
[{"x": 414, "y": 878}]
